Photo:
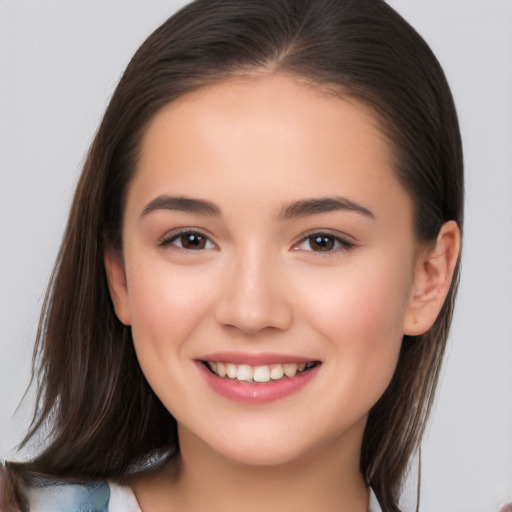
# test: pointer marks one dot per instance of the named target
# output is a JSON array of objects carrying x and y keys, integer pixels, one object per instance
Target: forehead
[{"x": 261, "y": 135}]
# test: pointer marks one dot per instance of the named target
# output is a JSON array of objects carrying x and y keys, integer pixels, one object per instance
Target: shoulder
[{"x": 48, "y": 495}]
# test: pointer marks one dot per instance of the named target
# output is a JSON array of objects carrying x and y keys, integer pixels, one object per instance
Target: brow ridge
[
  {"x": 181, "y": 204},
  {"x": 315, "y": 206}
]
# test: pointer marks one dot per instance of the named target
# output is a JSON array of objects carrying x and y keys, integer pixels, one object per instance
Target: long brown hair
[{"x": 103, "y": 417}]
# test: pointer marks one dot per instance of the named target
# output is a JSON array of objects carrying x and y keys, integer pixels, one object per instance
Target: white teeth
[
  {"x": 244, "y": 372},
  {"x": 276, "y": 371},
  {"x": 263, "y": 373},
  {"x": 290, "y": 369},
  {"x": 231, "y": 370},
  {"x": 221, "y": 369}
]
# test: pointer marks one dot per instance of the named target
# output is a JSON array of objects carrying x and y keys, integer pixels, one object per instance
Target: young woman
[{"x": 251, "y": 302}]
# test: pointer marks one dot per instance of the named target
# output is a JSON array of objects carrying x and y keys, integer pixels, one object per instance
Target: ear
[
  {"x": 116, "y": 277},
  {"x": 433, "y": 276}
]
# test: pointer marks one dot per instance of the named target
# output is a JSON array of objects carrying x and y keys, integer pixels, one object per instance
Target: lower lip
[{"x": 260, "y": 392}]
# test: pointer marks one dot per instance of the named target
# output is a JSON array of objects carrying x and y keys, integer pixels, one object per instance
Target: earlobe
[
  {"x": 433, "y": 275},
  {"x": 117, "y": 285}
]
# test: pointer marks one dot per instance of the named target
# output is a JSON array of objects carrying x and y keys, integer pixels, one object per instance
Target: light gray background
[{"x": 59, "y": 63}]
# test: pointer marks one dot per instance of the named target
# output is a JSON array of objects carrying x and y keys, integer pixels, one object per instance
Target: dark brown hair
[{"x": 103, "y": 417}]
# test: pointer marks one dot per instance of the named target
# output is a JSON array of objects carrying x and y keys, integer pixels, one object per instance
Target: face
[{"x": 268, "y": 267}]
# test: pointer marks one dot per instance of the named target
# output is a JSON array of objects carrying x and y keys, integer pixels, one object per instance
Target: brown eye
[
  {"x": 188, "y": 241},
  {"x": 192, "y": 241},
  {"x": 322, "y": 243}
]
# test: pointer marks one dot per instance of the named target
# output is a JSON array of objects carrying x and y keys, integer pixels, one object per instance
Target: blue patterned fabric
[{"x": 57, "y": 496}]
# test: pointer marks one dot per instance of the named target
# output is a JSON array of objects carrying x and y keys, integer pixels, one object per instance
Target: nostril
[{"x": 252, "y": 315}]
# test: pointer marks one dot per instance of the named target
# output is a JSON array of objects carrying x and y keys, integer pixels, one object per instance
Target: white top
[{"x": 122, "y": 499}]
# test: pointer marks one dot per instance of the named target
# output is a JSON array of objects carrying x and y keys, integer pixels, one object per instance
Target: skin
[{"x": 257, "y": 284}]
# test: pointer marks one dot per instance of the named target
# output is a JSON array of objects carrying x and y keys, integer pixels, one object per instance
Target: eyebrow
[
  {"x": 316, "y": 206},
  {"x": 181, "y": 204},
  {"x": 301, "y": 208}
]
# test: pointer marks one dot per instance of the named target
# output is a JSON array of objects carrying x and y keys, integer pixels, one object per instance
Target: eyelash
[
  {"x": 338, "y": 244},
  {"x": 170, "y": 239}
]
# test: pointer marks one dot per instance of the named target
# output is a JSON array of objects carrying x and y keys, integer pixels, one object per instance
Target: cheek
[
  {"x": 167, "y": 304},
  {"x": 360, "y": 312}
]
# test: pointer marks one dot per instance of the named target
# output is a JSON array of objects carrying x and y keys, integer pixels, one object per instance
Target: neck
[{"x": 327, "y": 479}]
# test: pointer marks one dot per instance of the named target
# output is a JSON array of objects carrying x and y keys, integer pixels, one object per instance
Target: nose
[{"x": 254, "y": 297}]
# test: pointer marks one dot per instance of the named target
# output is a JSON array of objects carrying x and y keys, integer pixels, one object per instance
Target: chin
[
  {"x": 263, "y": 457},
  {"x": 275, "y": 449}
]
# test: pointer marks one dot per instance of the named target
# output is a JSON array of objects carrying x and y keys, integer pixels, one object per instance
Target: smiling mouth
[{"x": 258, "y": 374}]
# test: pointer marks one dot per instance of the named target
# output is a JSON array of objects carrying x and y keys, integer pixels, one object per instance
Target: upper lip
[{"x": 255, "y": 358}]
